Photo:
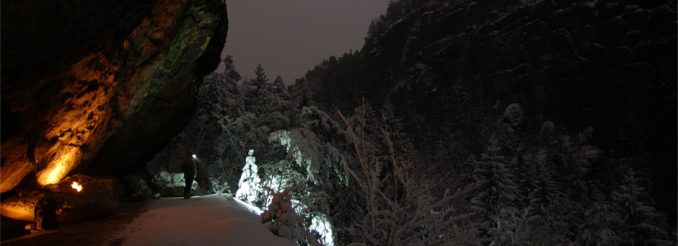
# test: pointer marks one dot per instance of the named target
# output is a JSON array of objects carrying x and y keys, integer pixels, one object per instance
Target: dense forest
[{"x": 459, "y": 122}]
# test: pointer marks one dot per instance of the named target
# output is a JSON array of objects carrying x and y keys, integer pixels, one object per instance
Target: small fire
[{"x": 76, "y": 186}]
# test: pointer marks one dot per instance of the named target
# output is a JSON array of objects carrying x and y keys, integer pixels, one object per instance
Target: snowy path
[{"x": 206, "y": 220}]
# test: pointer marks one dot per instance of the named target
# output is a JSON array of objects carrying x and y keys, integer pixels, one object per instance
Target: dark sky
[{"x": 289, "y": 37}]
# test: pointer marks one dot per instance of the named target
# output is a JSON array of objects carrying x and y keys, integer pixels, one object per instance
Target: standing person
[
  {"x": 189, "y": 169},
  {"x": 45, "y": 213}
]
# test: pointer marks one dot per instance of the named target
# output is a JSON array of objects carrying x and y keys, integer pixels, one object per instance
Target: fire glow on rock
[
  {"x": 58, "y": 168},
  {"x": 73, "y": 127},
  {"x": 76, "y": 186}
]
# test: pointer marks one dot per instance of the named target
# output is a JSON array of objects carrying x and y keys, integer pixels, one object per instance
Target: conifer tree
[
  {"x": 643, "y": 224},
  {"x": 545, "y": 192},
  {"x": 229, "y": 69},
  {"x": 249, "y": 187},
  {"x": 498, "y": 190},
  {"x": 547, "y": 209},
  {"x": 260, "y": 79},
  {"x": 255, "y": 91},
  {"x": 601, "y": 225},
  {"x": 279, "y": 85}
]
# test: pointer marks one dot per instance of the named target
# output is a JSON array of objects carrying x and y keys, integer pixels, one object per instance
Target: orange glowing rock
[
  {"x": 19, "y": 208},
  {"x": 82, "y": 104},
  {"x": 59, "y": 167}
]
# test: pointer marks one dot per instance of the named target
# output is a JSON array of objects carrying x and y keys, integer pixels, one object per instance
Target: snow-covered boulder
[
  {"x": 170, "y": 184},
  {"x": 136, "y": 188},
  {"x": 281, "y": 218}
]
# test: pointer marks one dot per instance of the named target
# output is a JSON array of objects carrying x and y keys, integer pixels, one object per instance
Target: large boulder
[
  {"x": 100, "y": 85},
  {"x": 170, "y": 184},
  {"x": 20, "y": 207},
  {"x": 98, "y": 197},
  {"x": 136, "y": 187}
]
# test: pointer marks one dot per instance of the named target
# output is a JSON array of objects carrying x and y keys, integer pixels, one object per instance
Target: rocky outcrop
[
  {"x": 114, "y": 81},
  {"x": 97, "y": 197},
  {"x": 610, "y": 65},
  {"x": 446, "y": 65},
  {"x": 168, "y": 184}
]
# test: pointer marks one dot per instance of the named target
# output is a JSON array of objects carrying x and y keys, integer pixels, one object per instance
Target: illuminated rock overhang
[
  {"x": 74, "y": 125},
  {"x": 75, "y": 111}
]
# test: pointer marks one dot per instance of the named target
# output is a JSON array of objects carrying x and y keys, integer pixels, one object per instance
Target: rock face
[
  {"x": 98, "y": 197},
  {"x": 606, "y": 64},
  {"x": 170, "y": 184},
  {"x": 100, "y": 85}
]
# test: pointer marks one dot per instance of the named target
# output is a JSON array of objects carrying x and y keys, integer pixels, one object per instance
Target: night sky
[{"x": 290, "y": 37}]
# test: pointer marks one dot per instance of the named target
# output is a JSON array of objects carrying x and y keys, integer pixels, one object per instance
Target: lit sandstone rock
[
  {"x": 96, "y": 197},
  {"x": 112, "y": 107}
]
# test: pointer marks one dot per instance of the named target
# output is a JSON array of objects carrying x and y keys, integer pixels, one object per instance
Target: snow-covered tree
[
  {"x": 397, "y": 206},
  {"x": 497, "y": 189},
  {"x": 279, "y": 85},
  {"x": 601, "y": 226},
  {"x": 547, "y": 209},
  {"x": 642, "y": 223},
  {"x": 545, "y": 191},
  {"x": 282, "y": 219},
  {"x": 249, "y": 186},
  {"x": 308, "y": 160},
  {"x": 229, "y": 69},
  {"x": 261, "y": 77},
  {"x": 255, "y": 91}
]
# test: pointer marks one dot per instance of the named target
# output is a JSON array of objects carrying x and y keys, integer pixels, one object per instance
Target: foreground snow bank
[{"x": 206, "y": 220}]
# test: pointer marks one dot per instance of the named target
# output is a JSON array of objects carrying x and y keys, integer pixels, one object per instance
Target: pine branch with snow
[{"x": 398, "y": 206}]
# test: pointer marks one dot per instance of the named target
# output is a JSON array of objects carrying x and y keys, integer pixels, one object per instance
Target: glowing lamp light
[
  {"x": 76, "y": 186},
  {"x": 195, "y": 157}
]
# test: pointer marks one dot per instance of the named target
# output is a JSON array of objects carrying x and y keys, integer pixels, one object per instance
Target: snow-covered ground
[{"x": 205, "y": 220}]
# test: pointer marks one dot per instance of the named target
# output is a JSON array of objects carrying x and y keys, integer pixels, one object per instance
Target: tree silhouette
[{"x": 229, "y": 70}]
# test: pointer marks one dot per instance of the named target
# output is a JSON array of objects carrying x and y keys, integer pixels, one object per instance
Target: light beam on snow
[{"x": 253, "y": 209}]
